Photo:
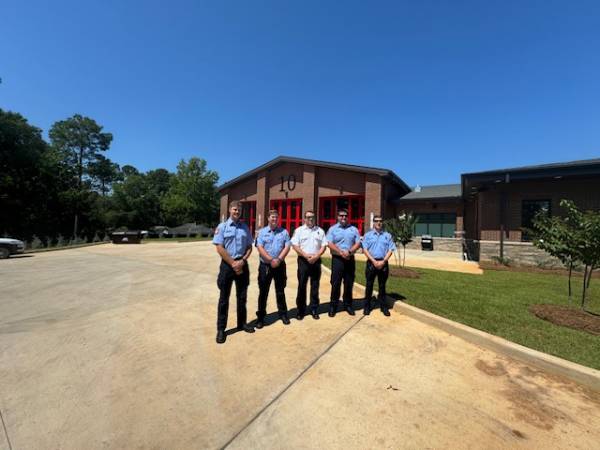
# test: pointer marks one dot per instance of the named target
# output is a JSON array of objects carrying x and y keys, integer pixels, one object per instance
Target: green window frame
[{"x": 435, "y": 224}]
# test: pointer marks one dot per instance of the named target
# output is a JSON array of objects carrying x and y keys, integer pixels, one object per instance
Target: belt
[
  {"x": 305, "y": 259},
  {"x": 235, "y": 259}
]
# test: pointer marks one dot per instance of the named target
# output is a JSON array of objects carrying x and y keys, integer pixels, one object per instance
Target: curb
[
  {"x": 66, "y": 247},
  {"x": 581, "y": 374}
]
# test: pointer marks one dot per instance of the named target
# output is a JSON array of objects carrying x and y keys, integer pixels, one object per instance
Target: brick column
[
  {"x": 373, "y": 198},
  {"x": 262, "y": 201},
  {"x": 308, "y": 189},
  {"x": 224, "y": 209}
]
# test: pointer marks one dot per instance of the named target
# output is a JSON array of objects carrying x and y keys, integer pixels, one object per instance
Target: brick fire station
[
  {"x": 484, "y": 216},
  {"x": 293, "y": 185}
]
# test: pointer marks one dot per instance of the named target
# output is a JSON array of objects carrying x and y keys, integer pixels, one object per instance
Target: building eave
[{"x": 328, "y": 164}]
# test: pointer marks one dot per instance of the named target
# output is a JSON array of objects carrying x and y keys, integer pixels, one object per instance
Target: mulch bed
[
  {"x": 404, "y": 272},
  {"x": 567, "y": 316},
  {"x": 485, "y": 265}
]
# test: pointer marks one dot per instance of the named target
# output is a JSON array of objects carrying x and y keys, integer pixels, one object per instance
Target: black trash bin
[
  {"x": 126, "y": 237},
  {"x": 426, "y": 242}
]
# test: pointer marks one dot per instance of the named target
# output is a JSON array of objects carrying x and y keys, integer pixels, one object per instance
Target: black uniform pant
[
  {"x": 382, "y": 275},
  {"x": 342, "y": 270},
  {"x": 308, "y": 271},
  {"x": 224, "y": 281},
  {"x": 265, "y": 275}
]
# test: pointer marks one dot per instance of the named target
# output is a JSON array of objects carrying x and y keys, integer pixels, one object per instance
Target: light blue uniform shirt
[
  {"x": 343, "y": 237},
  {"x": 378, "y": 244},
  {"x": 235, "y": 237},
  {"x": 273, "y": 241}
]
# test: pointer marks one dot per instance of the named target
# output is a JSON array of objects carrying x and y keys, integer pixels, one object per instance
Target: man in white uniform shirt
[{"x": 309, "y": 242}]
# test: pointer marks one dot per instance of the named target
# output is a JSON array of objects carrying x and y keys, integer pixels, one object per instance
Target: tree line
[{"x": 68, "y": 188}]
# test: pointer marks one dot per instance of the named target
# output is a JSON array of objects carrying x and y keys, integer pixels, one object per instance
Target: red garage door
[
  {"x": 329, "y": 206},
  {"x": 290, "y": 213}
]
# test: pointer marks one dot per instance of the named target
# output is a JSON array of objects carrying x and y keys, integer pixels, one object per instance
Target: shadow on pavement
[{"x": 323, "y": 309}]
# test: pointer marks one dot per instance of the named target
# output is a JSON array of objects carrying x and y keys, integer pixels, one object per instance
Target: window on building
[
  {"x": 436, "y": 225},
  {"x": 529, "y": 209}
]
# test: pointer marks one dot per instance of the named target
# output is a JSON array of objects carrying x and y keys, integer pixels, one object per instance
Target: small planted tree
[
  {"x": 586, "y": 242},
  {"x": 574, "y": 238},
  {"x": 402, "y": 230},
  {"x": 554, "y": 235}
]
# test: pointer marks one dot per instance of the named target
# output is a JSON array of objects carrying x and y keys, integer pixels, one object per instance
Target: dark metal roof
[
  {"x": 472, "y": 182},
  {"x": 332, "y": 165},
  {"x": 434, "y": 192},
  {"x": 541, "y": 167}
]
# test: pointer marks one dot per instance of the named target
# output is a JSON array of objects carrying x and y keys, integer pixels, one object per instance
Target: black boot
[
  {"x": 247, "y": 328},
  {"x": 221, "y": 336},
  {"x": 367, "y": 309},
  {"x": 350, "y": 309},
  {"x": 332, "y": 311},
  {"x": 285, "y": 319}
]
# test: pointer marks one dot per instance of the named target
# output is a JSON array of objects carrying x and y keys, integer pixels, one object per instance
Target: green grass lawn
[{"x": 497, "y": 302}]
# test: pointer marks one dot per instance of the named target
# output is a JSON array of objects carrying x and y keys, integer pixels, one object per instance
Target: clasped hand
[
  {"x": 238, "y": 266},
  {"x": 379, "y": 264},
  {"x": 275, "y": 262},
  {"x": 345, "y": 254},
  {"x": 312, "y": 258}
]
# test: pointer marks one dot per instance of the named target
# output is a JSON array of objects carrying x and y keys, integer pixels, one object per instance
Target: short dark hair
[
  {"x": 342, "y": 210},
  {"x": 273, "y": 212}
]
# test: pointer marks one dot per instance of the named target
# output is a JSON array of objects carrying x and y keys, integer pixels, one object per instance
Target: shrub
[
  {"x": 401, "y": 228},
  {"x": 505, "y": 261}
]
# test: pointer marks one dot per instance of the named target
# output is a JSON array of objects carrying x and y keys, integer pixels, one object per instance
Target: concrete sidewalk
[
  {"x": 451, "y": 262},
  {"x": 113, "y": 347}
]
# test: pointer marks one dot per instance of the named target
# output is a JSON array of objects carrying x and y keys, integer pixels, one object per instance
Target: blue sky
[{"x": 429, "y": 89}]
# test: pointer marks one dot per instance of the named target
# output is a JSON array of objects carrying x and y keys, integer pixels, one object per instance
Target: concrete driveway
[{"x": 113, "y": 347}]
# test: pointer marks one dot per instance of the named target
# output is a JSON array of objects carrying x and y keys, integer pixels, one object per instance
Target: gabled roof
[
  {"x": 438, "y": 191},
  {"x": 332, "y": 165}
]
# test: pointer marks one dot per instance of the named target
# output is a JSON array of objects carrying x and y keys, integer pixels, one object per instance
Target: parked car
[
  {"x": 206, "y": 231},
  {"x": 10, "y": 247},
  {"x": 126, "y": 237},
  {"x": 191, "y": 230},
  {"x": 158, "y": 231}
]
